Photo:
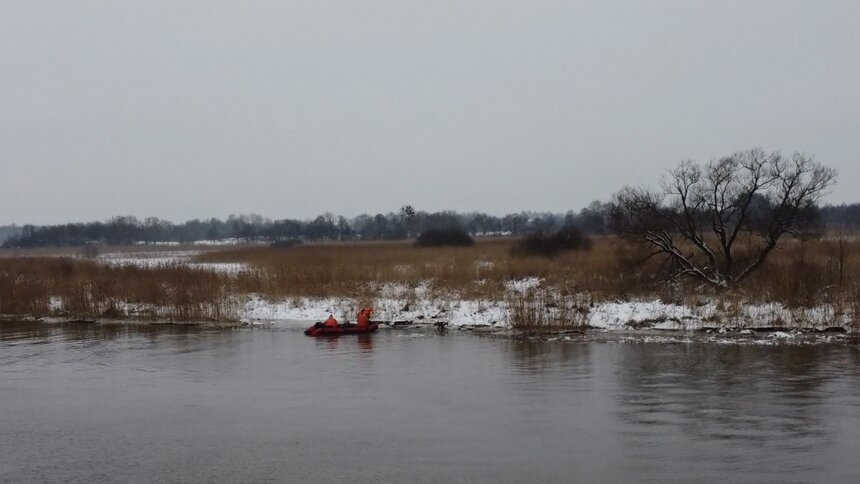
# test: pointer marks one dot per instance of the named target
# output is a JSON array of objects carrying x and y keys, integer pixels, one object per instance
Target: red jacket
[{"x": 364, "y": 318}]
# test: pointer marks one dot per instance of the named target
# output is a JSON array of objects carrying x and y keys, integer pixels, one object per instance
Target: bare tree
[
  {"x": 407, "y": 218},
  {"x": 703, "y": 211}
]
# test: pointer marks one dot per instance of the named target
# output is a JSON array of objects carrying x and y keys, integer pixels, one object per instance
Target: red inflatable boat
[{"x": 319, "y": 330}]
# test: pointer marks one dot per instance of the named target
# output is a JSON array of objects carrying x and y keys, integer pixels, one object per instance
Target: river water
[{"x": 148, "y": 403}]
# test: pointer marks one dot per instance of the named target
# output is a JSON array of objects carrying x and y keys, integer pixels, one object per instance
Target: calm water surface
[{"x": 93, "y": 403}]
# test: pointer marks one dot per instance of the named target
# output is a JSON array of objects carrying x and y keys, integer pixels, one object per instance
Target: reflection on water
[
  {"x": 126, "y": 403},
  {"x": 726, "y": 402}
]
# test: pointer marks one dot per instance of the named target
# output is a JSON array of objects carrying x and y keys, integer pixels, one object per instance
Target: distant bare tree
[
  {"x": 407, "y": 218},
  {"x": 703, "y": 211}
]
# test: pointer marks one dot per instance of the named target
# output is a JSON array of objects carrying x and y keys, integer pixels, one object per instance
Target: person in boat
[
  {"x": 330, "y": 322},
  {"x": 363, "y": 320}
]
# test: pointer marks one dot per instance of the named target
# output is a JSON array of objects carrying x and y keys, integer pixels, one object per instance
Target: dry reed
[{"x": 87, "y": 289}]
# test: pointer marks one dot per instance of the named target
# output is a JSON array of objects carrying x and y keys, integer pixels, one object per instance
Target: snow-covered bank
[
  {"x": 522, "y": 304},
  {"x": 607, "y": 315},
  {"x": 455, "y": 313},
  {"x": 659, "y": 315}
]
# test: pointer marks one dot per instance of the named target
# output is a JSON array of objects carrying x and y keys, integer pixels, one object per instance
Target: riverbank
[
  {"x": 401, "y": 329},
  {"x": 607, "y": 315},
  {"x": 637, "y": 315},
  {"x": 482, "y": 286}
]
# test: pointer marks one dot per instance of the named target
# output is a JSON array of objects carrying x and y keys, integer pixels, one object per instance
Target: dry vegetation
[
  {"x": 799, "y": 274},
  {"x": 546, "y": 310},
  {"x": 72, "y": 252},
  {"x": 359, "y": 269},
  {"x": 87, "y": 289}
]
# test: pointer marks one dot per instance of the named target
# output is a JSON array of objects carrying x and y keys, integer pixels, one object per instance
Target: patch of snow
[
  {"x": 221, "y": 267},
  {"x": 148, "y": 259},
  {"x": 218, "y": 242},
  {"x": 781, "y": 335},
  {"x": 455, "y": 313},
  {"x": 159, "y": 243},
  {"x": 523, "y": 285},
  {"x": 303, "y": 309},
  {"x": 622, "y": 314},
  {"x": 55, "y": 304},
  {"x": 658, "y": 315},
  {"x": 155, "y": 260},
  {"x": 403, "y": 268}
]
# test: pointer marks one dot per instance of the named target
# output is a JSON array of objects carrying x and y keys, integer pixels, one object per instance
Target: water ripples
[{"x": 424, "y": 405}]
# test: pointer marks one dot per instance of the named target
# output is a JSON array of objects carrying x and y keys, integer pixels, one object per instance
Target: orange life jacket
[
  {"x": 364, "y": 318},
  {"x": 330, "y": 322}
]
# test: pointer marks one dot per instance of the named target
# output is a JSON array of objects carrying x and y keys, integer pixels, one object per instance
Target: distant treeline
[
  {"x": 9, "y": 231},
  {"x": 847, "y": 216},
  {"x": 404, "y": 224}
]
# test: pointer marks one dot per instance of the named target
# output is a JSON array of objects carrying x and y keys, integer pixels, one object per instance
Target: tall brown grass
[
  {"x": 358, "y": 269},
  {"x": 543, "y": 310},
  {"x": 87, "y": 289},
  {"x": 798, "y": 273}
]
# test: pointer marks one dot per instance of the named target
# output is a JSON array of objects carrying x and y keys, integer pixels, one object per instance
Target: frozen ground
[{"x": 421, "y": 307}]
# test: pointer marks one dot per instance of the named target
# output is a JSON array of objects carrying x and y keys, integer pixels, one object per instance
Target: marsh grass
[
  {"x": 854, "y": 305},
  {"x": 543, "y": 310},
  {"x": 799, "y": 274},
  {"x": 481, "y": 271},
  {"x": 87, "y": 289}
]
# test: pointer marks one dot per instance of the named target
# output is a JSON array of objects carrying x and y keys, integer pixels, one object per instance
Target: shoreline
[
  {"x": 228, "y": 290},
  {"x": 634, "y": 314},
  {"x": 745, "y": 337},
  {"x": 495, "y": 316}
]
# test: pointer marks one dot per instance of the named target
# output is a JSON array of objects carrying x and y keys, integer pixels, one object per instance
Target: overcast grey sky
[{"x": 185, "y": 109}]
